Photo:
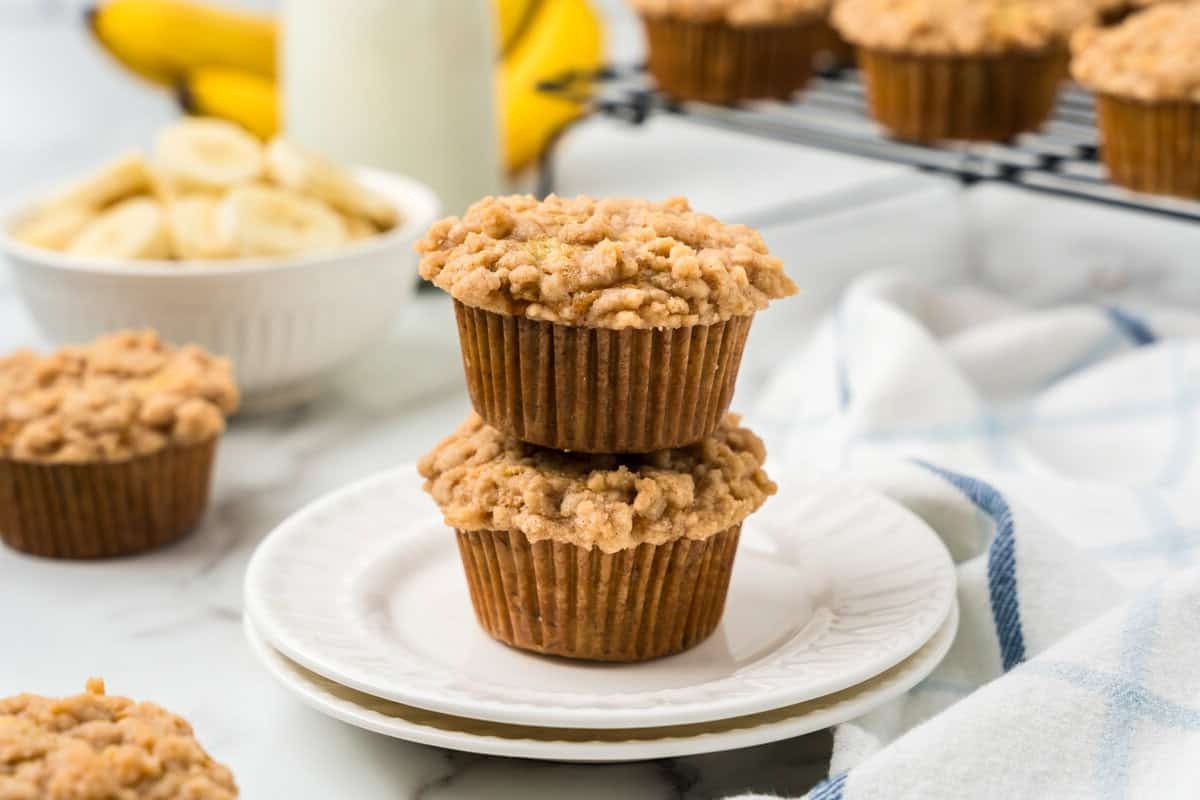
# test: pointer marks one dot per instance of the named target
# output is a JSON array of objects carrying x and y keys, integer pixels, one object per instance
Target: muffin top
[
  {"x": 124, "y": 395},
  {"x": 96, "y": 747},
  {"x": 1153, "y": 55},
  {"x": 485, "y": 481},
  {"x": 733, "y": 12},
  {"x": 601, "y": 263},
  {"x": 960, "y": 27}
]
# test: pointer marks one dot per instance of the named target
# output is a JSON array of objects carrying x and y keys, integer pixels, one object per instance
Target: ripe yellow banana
[
  {"x": 242, "y": 97},
  {"x": 164, "y": 39},
  {"x": 539, "y": 39},
  {"x": 564, "y": 35}
]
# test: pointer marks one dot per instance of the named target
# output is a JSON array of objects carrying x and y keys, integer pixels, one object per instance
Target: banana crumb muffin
[
  {"x": 601, "y": 325},
  {"x": 611, "y": 263},
  {"x": 962, "y": 69},
  {"x": 483, "y": 480},
  {"x": 1146, "y": 75},
  {"x": 96, "y": 747},
  {"x": 619, "y": 558},
  {"x": 107, "y": 448},
  {"x": 723, "y": 51}
]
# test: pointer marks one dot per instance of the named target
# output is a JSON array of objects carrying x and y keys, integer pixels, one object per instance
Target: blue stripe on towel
[
  {"x": 830, "y": 789},
  {"x": 1133, "y": 327},
  {"x": 1002, "y": 563}
]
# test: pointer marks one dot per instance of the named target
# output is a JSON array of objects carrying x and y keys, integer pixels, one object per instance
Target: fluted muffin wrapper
[
  {"x": 632, "y": 605},
  {"x": 929, "y": 98},
  {"x": 714, "y": 62},
  {"x": 596, "y": 390},
  {"x": 104, "y": 509},
  {"x": 1151, "y": 146}
]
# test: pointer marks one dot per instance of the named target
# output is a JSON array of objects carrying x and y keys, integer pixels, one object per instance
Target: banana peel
[
  {"x": 161, "y": 40},
  {"x": 245, "y": 98},
  {"x": 222, "y": 63}
]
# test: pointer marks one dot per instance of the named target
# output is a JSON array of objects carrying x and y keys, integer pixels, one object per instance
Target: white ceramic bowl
[{"x": 285, "y": 322}]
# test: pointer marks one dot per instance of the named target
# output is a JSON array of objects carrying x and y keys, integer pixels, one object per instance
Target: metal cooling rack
[{"x": 1062, "y": 159}]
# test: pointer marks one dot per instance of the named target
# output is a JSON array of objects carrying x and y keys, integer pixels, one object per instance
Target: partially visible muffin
[
  {"x": 723, "y": 51},
  {"x": 96, "y": 747},
  {"x": 106, "y": 449},
  {"x": 1146, "y": 75},
  {"x": 617, "y": 558},
  {"x": 601, "y": 325},
  {"x": 961, "y": 69}
]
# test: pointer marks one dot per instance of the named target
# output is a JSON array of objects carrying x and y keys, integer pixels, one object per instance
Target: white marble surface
[{"x": 166, "y": 625}]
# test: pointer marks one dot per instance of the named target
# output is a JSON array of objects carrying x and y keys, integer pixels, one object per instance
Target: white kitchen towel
[{"x": 1057, "y": 453}]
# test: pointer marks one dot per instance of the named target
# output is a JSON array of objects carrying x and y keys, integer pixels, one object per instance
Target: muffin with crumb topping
[
  {"x": 107, "y": 449},
  {"x": 982, "y": 70},
  {"x": 97, "y": 747},
  {"x": 602, "y": 557},
  {"x": 723, "y": 51},
  {"x": 601, "y": 326},
  {"x": 1146, "y": 76}
]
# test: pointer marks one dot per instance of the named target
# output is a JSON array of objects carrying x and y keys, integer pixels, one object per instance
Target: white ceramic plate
[
  {"x": 833, "y": 585},
  {"x": 572, "y": 744}
]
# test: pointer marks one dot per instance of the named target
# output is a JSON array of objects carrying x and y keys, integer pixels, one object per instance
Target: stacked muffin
[{"x": 599, "y": 489}]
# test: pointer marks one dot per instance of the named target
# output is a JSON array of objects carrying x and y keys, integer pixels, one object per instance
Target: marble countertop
[{"x": 167, "y": 626}]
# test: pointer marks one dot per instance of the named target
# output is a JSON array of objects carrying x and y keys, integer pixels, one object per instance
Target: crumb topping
[
  {"x": 484, "y": 481},
  {"x": 960, "y": 27},
  {"x": 602, "y": 263},
  {"x": 733, "y": 12},
  {"x": 1153, "y": 55},
  {"x": 124, "y": 395},
  {"x": 95, "y": 747}
]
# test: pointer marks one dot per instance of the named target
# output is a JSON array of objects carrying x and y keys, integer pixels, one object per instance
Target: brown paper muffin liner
[
  {"x": 104, "y": 509},
  {"x": 981, "y": 98},
  {"x": 717, "y": 63},
  {"x": 595, "y": 390},
  {"x": 1151, "y": 146},
  {"x": 565, "y": 600}
]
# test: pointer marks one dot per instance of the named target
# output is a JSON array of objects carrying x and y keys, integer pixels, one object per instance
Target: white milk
[{"x": 406, "y": 85}]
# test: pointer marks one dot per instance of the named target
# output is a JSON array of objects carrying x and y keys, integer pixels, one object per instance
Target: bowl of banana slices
[{"x": 267, "y": 253}]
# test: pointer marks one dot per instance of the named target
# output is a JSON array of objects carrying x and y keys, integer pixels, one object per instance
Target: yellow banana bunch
[
  {"x": 163, "y": 39},
  {"x": 222, "y": 62}
]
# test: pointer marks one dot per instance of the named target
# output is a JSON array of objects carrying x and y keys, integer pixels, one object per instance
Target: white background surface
[{"x": 166, "y": 626}]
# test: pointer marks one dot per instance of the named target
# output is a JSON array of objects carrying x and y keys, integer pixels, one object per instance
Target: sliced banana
[
  {"x": 134, "y": 228},
  {"x": 120, "y": 178},
  {"x": 268, "y": 221},
  {"x": 358, "y": 228},
  {"x": 207, "y": 155},
  {"x": 192, "y": 224},
  {"x": 293, "y": 167},
  {"x": 54, "y": 228}
]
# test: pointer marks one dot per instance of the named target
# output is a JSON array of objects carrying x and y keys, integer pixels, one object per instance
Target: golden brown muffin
[
  {"x": 961, "y": 69},
  {"x": 95, "y": 747},
  {"x": 1146, "y": 75},
  {"x": 107, "y": 449},
  {"x": 619, "y": 558},
  {"x": 723, "y": 51},
  {"x": 601, "y": 325}
]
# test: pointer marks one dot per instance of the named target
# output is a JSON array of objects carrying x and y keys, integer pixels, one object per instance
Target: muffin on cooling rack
[
  {"x": 1146, "y": 75},
  {"x": 723, "y": 51},
  {"x": 107, "y": 449},
  {"x": 613, "y": 558},
  {"x": 96, "y": 747},
  {"x": 983, "y": 70},
  {"x": 601, "y": 326}
]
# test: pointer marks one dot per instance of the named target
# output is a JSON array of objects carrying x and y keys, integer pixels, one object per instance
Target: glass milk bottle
[{"x": 405, "y": 85}]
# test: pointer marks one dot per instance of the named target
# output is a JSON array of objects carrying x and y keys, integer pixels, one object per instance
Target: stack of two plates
[{"x": 840, "y": 601}]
